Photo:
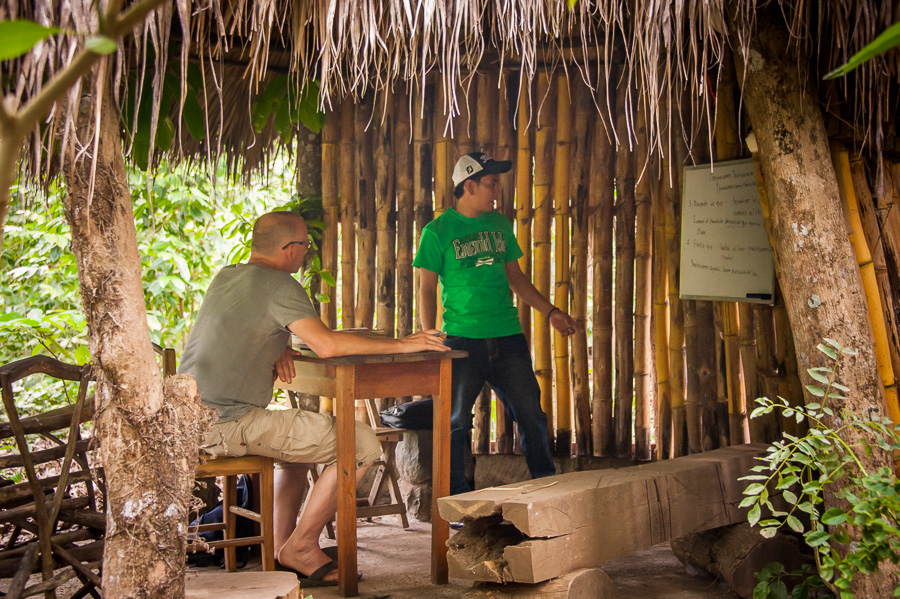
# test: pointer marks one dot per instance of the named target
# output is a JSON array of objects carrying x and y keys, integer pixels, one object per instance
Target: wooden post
[
  {"x": 602, "y": 197},
  {"x": 330, "y": 213},
  {"x": 581, "y": 392},
  {"x": 403, "y": 156},
  {"x": 624, "y": 292},
  {"x": 385, "y": 214},
  {"x": 348, "y": 213},
  {"x": 464, "y": 131},
  {"x": 721, "y": 380},
  {"x": 365, "y": 214},
  {"x": 562, "y": 170},
  {"x": 443, "y": 161},
  {"x": 524, "y": 188},
  {"x": 660, "y": 289},
  {"x": 423, "y": 166},
  {"x": 484, "y": 130},
  {"x": 543, "y": 210},
  {"x": 642, "y": 301},
  {"x": 707, "y": 374}
]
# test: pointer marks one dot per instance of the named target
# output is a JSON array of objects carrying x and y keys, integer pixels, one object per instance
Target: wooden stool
[{"x": 231, "y": 468}]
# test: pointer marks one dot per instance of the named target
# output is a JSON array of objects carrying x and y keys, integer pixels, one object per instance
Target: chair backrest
[
  {"x": 28, "y": 504},
  {"x": 167, "y": 359}
]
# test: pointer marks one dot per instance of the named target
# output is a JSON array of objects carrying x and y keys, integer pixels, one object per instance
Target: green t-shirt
[{"x": 470, "y": 255}]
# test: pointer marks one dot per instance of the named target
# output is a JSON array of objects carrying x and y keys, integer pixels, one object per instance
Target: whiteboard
[{"x": 725, "y": 251}]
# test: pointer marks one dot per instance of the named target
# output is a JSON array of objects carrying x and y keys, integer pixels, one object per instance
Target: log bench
[{"x": 541, "y": 529}]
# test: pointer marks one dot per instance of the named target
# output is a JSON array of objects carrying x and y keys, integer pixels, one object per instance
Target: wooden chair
[
  {"x": 56, "y": 515},
  {"x": 385, "y": 473},
  {"x": 230, "y": 468}
]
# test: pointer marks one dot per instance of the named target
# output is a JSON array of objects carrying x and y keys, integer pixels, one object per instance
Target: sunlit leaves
[{"x": 288, "y": 106}]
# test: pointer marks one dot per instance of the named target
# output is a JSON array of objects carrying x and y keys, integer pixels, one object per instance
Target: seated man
[{"x": 238, "y": 342}]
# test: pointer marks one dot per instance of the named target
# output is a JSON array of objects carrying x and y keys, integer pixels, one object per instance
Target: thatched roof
[{"x": 665, "y": 52}]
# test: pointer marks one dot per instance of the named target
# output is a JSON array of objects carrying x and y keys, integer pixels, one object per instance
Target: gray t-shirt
[{"x": 240, "y": 331}]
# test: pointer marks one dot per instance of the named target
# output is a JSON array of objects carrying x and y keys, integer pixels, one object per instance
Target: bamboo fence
[{"x": 584, "y": 198}]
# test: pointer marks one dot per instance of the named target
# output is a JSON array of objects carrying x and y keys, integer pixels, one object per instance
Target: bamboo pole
[
  {"x": 443, "y": 161},
  {"x": 423, "y": 167},
  {"x": 660, "y": 288},
  {"x": 624, "y": 290},
  {"x": 403, "y": 153},
  {"x": 385, "y": 216},
  {"x": 869, "y": 278},
  {"x": 561, "y": 173},
  {"x": 692, "y": 406},
  {"x": 464, "y": 134},
  {"x": 642, "y": 295},
  {"x": 707, "y": 374},
  {"x": 875, "y": 242},
  {"x": 676, "y": 313},
  {"x": 331, "y": 135},
  {"x": 790, "y": 386},
  {"x": 484, "y": 129},
  {"x": 767, "y": 349},
  {"x": 524, "y": 210},
  {"x": 602, "y": 198},
  {"x": 365, "y": 214},
  {"x": 545, "y": 135},
  {"x": 506, "y": 150},
  {"x": 348, "y": 213},
  {"x": 738, "y": 427},
  {"x": 581, "y": 392},
  {"x": 724, "y": 439}
]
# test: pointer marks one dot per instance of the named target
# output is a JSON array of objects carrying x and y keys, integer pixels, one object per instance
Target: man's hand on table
[
  {"x": 427, "y": 340},
  {"x": 284, "y": 367}
]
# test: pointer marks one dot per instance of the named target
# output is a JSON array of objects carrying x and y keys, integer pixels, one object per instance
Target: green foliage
[
  {"x": 187, "y": 229},
  {"x": 774, "y": 581},
  {"x": 282, "y": 99},
  {"x": 862, "y": 532},
  {"x": 19, "y": 36},
  {"x": 888, "y": 39}
]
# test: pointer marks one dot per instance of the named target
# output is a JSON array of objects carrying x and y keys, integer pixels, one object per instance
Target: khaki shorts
[{"x": 288, "y": 436}]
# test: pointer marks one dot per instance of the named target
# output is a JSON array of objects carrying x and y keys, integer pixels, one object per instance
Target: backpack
[
  {"x": 413, "y": 415},
  {"x": 243, "y": 528}
]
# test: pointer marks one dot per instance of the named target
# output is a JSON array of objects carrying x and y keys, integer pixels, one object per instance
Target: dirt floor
[{"x": 395, "y": 563}]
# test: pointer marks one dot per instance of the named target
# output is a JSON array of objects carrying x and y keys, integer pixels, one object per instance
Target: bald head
[{"x": 271, "y": 231}]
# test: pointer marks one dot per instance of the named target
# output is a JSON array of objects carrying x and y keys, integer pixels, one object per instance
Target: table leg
[
  {"x": 345, "y": 413},
  {"x": 440, "y": 528}
]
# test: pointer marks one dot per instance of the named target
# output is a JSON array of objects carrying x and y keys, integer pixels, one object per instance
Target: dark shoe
[{"x": 314, "y": 579}]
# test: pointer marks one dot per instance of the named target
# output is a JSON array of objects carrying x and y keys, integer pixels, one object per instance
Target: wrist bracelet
[{"x": 551, "y": 312}]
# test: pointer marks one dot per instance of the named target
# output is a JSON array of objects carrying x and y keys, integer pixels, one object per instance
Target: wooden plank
[
  {"x": 239, "y": 585},
  {"x": 396, "y": 379},
  {"x": 423, "y": 356}
]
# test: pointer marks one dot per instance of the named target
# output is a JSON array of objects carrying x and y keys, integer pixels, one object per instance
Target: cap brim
[{"x": 496, "y": 167}]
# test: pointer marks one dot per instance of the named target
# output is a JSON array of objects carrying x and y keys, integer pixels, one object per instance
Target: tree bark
[
  {"x": 148, "y": 432},
  {"x": 813, "y": 258}
]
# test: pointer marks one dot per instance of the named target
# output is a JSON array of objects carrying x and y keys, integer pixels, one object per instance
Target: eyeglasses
[{"x": 290, "y": 243}]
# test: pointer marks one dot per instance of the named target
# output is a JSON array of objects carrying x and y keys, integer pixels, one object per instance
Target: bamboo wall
[{"x": 597, "y": 216}]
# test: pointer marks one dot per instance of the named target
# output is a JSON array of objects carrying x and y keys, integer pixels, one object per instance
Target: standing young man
[{"x": 474, "y": 253}]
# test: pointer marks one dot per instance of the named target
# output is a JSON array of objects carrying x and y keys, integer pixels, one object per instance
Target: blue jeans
[{"x": 504, "y": 363}]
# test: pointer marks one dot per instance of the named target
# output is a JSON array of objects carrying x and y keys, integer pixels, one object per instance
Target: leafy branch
[{"x": 864, "y": 531}]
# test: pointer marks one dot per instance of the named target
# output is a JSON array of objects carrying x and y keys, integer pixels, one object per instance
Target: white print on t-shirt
[{"x": 480, "y": 245}]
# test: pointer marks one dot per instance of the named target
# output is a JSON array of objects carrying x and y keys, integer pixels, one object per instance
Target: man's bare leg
[
  {"x": 301, "y": 551},
  {"x": 290, "y": 489}
]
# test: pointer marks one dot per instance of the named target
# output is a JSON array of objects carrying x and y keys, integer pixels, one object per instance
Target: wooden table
[{"x": 348, "y": 378}]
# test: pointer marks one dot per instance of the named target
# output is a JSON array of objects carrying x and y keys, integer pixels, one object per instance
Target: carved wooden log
[
  {"x": 586, "y": 583},
  {"x": 542, "y": 529}
]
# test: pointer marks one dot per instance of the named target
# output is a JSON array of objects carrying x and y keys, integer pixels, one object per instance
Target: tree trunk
[
  {"x": 148, "y": 432},
  {"x": 814, "y": 262}
]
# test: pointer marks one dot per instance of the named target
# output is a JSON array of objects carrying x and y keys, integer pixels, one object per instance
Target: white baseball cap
[{"x": 474, "y": 163}]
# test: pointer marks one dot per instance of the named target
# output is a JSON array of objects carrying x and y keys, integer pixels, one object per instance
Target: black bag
[
  {"x": 413, "y": 415},
  {"x": 243, "y": 528}
]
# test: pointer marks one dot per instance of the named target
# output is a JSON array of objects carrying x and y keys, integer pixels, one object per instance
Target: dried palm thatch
[{"x": 669, "y": 50}]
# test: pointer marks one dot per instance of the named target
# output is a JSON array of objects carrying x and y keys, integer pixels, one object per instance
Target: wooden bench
[{"x": 57, "y": 517}]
